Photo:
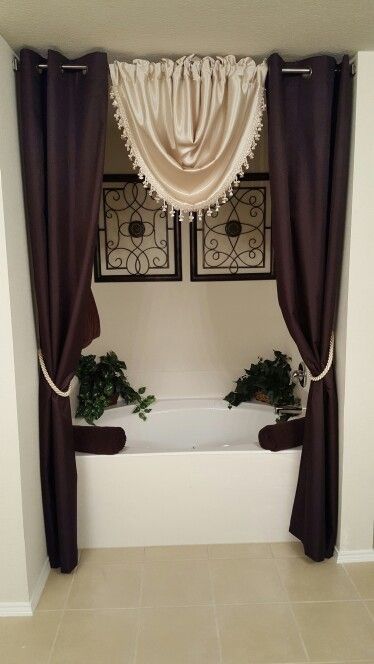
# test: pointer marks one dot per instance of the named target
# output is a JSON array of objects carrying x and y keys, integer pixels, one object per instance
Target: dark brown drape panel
[
  {"x": 62, "y": 119},
  {"x": 309, "y": 136}
]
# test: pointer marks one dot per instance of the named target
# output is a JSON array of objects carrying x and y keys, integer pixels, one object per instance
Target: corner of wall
[
  {"x": 356, "y": 330},
  {"x": 22, "y": 536}
]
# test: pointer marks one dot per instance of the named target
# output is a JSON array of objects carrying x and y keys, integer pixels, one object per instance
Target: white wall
[
  {"x": 356, "y": 328},
  {"x": 22, "y": 542},
  {"x": 13, "y": 578},
  {"x": 184, "y": 338}
]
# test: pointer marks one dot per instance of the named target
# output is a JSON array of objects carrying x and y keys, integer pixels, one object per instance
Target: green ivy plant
[
  {"x": 102, "y": 382},
  {"x": 268, "y": 380}
]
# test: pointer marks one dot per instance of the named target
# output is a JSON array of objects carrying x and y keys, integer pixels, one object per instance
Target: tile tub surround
[{"x": 216, "y": 604}]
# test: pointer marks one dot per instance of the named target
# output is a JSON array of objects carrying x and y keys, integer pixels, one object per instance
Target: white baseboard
[
  {"x": 357, "y": 556},
  {"x": 39, "y": 586},
  {"x": 9, "y": 609}
]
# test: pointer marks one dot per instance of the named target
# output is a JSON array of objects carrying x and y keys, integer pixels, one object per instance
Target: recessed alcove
[{"x": 188, "y": 339}]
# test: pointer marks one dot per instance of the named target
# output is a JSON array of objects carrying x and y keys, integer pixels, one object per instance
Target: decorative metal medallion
[
  {"x": 235, "y": 241},
  {"x": 138, "y": 241}
]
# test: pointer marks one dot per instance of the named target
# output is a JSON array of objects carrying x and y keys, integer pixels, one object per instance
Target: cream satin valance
[{"x": 190, "y": 126}]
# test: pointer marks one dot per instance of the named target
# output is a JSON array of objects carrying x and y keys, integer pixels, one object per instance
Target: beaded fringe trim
[{"x": 156, "y": 189}]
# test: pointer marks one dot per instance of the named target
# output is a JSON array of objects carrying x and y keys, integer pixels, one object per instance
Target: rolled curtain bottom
[
  {"x": 283, "y": 435},
  {"x": 99, "y": 440}
]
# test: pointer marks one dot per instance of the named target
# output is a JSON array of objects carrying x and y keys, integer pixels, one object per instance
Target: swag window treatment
[
  {"x": 62, "y": 123},
  {"x": 190, "y": 126}
]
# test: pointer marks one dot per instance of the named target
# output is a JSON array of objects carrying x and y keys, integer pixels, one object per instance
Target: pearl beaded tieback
[
  {"x": 49, "y": 380},
  {"x": 328, "y": 364}
]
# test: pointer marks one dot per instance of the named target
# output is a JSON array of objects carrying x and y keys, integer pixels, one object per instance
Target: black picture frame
[
  {"x": 195, "y": 275},
  {"x": 99, "y": 277}
]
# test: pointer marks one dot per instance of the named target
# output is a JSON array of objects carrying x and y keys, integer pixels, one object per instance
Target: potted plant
[
  {"x": 102, "y": 383},
  {"x": 268, "y": 381}
]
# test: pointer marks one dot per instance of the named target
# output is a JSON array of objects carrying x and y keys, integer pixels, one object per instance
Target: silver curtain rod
[
  {"x": 308, "y": 71},
  {"x": 82, "y": 68},
  {"x": 302, "y": 71}
]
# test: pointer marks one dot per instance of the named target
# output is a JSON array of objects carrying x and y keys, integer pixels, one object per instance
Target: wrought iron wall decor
[
  {"x": 137, "y": 240},
  {"x": 235, "y": 241}
]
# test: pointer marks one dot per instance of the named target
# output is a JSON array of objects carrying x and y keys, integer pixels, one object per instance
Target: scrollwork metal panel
[
  {"x": 138, "y": 240},
  {"x": 235, "y": 242}
]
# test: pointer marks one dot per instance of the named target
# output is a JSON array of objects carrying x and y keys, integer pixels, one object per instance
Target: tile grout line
[
  {"x": 329, "y": 661},
  {"x": 193, "y": 558},
  {"x": 63, "y": 609},
  {"x": 363, "y": 600},
  {"x": 351, "y": 581},
  {"x": 298, "y": 630},
  {"x": 289, "y": 602},
  {"x": 218, "y": 634},
  {"x": 139, "y": 610},
  {"x": 356, "y": 600}
]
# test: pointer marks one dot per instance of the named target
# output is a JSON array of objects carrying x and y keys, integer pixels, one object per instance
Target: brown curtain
[
  {"x": 309, "y": 136},
  {"x": 62, "y": 119}
]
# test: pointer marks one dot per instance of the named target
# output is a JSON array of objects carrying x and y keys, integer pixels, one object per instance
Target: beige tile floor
[{"x": 220, "y": 604}]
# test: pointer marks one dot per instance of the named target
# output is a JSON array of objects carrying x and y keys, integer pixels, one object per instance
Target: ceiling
[{"x": 152, "y": 28}]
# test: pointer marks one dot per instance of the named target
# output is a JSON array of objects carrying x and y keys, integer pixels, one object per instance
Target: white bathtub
[
  {"x": 191, "y": 425},
  {"x": 193, "y": 473}
]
